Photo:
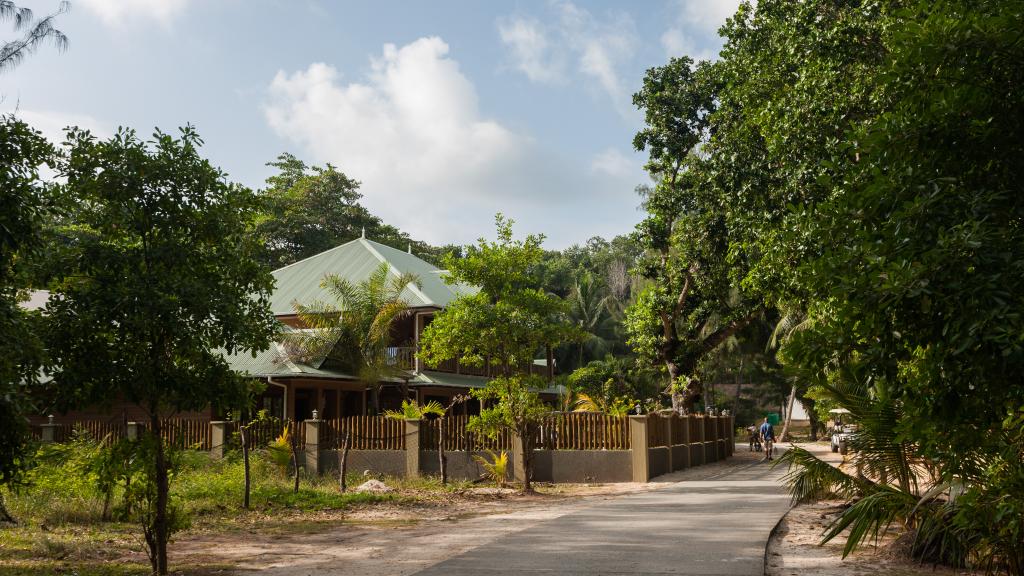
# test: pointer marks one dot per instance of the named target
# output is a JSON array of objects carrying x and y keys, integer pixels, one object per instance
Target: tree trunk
[
  {"x": 812, "y": 415},
  {"x": 375, "y": 399},
  {"x": 784, "y": 437},
  {"x": 160, "y": 531},
  {"x": 295, "y": 456},
  {"x": 343, "y": 463},
  {"x": 527, "y": 440},
  {"x": 245, "y": 464}
]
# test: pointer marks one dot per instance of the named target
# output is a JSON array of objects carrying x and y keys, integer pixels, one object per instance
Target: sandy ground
[{"x": 795, "y": 549}]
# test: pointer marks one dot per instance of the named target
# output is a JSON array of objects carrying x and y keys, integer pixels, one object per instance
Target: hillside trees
[
  {"x": 164, "y": 274},
  {"x": 309, "y": 209}
]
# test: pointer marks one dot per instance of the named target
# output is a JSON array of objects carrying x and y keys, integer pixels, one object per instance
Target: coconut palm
[
  {"x": 354, "y": 332},
  {"x": 589, "y": 311}
]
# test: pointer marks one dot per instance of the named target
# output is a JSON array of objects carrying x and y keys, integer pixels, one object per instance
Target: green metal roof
[
  {"x": 355, "y": 261},
  {"x": 445, "y": 379},
  {"x": 272, "y": 362}
]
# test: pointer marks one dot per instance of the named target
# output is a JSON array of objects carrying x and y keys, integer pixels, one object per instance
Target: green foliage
[
  {"x": 25, "y": 200},
  {"x": 693, "y": 302},
  {"x": 510, "y": 319},
  {"x": 413, "y": 411},
  {"x": 160, "y": 277},
  {"x": 513, "y": 406},
  {"x": 312, "y": 209},
  {"x": 496, "y": 469},
  {"x": 613, "y": 385},
  {"x": 354, "y": 332}
]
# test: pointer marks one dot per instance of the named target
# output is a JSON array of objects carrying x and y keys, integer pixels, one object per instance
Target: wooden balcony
[{"x": 404, "y": 357}]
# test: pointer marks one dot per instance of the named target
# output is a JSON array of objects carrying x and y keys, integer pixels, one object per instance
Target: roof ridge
[
  {"x": 412, "y": 285},
  {"x": 315, "y": 255}
]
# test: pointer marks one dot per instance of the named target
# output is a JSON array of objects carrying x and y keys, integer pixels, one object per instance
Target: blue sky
[{"x": 447, "y": 112}]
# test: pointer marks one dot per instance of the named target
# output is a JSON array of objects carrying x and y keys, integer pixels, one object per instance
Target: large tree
[
  {"x": 25, "y": 200},
  {"x": 693, "y": 302},
  {"x": 165, "y": 274},
  {"x": 309, "y": 209}
]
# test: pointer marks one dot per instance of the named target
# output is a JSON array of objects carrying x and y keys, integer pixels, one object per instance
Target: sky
[{"x": 447, "y": 112}]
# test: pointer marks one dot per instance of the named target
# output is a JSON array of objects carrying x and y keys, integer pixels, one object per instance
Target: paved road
[{"x": 715, "y": 524}]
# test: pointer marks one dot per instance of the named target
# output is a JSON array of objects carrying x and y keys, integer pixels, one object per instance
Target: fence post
[
  {"x": 218, "y": 437},
  {"x": 312, "y": 446},
  {"x": 701, "y": 438},
  {"x": 669, "y": 424},
  {"x": 731, "y": 443},
  {"x": 131, "y": 432},
  {"x": 638, "y": 434},
  {"x": 518, "y": 471},
  {"x": 412, "y": 448},
  {"x": 48, "y": 432},
  {"x": 685, "y": 441}
]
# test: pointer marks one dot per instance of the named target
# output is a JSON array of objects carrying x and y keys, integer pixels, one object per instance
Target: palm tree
[
  {"x": 38, "y": 32},
  {"x": 355, "y": 332},
  {"x": 589, "y": 311}
]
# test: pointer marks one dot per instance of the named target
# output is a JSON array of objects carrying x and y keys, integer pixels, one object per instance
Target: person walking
[{"x": 767, "y": 438}]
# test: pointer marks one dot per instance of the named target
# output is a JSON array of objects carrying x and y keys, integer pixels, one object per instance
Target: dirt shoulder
[{"x": 796, "y": 549}]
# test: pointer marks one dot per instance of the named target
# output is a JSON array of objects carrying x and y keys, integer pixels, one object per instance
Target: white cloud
[
  {"x": 412, "y": 132},
  {"x": 598, "y": 47},
  {"x": 429, "y": 161},
  {"x": 530, "y": 49},
  {"x": 696, "y": 24},
  {"x": 612, "y": 162},
  {"x": 114, "y": 13},
  {"x": 52, "y": 124}
]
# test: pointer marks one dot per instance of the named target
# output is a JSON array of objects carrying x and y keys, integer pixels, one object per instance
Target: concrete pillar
[
  {"x": 412, "y": 448},
  {"x": 134, "y": 430},
  {"x": 48, "y": 433},
  {"x": 638, "y": 434},
  {"x": 732, "y": 435},
  {"x": 713, "y": 425},
  {"x": 218, "y": 437},
  {"x": 312, "y": 450}
]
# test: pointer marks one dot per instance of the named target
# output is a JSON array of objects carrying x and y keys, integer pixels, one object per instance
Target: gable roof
[{"x": 355, "y": 261}]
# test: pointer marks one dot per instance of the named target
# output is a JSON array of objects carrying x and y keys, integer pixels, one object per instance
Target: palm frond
[
  {"x": 810, "y": 478},
  {"x": 870, "y": 516}
]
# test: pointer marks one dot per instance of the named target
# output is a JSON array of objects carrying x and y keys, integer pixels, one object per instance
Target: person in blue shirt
[{"x": 767, "y": 438}]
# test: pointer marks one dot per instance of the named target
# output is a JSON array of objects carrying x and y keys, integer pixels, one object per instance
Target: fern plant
[{"x": 413, "y": 411}]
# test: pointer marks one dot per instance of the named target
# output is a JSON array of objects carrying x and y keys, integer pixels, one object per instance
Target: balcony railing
[{"x": 404, "y": 357}]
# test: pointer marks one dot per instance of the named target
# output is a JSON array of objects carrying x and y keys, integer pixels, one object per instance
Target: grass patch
[{"x": 61, "y": 529}]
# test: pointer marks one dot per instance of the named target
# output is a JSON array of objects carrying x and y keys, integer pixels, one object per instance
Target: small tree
[
  {"x": 515, "y": 407},
  {"x": 162, "y": 274}
]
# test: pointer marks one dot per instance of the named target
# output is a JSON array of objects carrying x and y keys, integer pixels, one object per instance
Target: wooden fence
[
  {"x": 584, "y": 431},
  {"x": 262, "y": 433},
  {"x": 457, "y": 438},
  {"x": 365, "y": 432},
  {"x": 182, "y": 432}
]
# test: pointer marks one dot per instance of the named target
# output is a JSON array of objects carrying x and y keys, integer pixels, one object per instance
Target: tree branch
[{"x": 723, "y": 333}]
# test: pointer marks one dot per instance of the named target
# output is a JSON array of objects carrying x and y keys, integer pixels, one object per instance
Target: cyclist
[{"x": 767, "y": 438}]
